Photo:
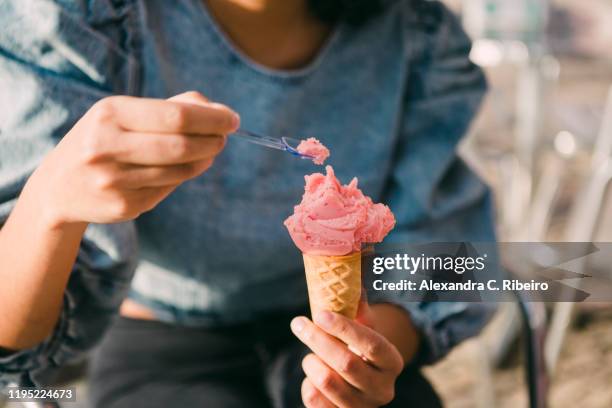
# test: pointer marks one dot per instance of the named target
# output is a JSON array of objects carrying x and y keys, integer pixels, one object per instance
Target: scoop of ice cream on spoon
[
  {"x": 310, "y": 149},
  {"x": 314, "y": 148}
]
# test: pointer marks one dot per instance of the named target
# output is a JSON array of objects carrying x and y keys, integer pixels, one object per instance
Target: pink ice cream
[
  {"x": 312, "y": 147},
  {"x": 333, "y": 219}
]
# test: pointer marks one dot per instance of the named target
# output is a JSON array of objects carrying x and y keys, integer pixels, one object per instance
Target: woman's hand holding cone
[{"x": 352, "y": 365}]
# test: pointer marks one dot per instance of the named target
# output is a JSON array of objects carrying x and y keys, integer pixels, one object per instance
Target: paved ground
[{"x": 583, "y": 379}]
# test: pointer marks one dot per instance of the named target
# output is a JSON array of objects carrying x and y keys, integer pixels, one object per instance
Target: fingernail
[
  {"x": 297, "y": 325},
  {"x": 324, "y": 319},
  {"x": 235, "y": 121}
]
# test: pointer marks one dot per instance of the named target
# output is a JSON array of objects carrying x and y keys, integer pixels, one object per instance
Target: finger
[
  {"x": 329, "y": 383},
  {"x": 312, "y": 397},
  {"x": 164, "y": 149},
  {"x": 334, "y": 353},
  {"x": 164, "y": 116},
  {"x": 195, "y": 98},
  {"x": 135, "y": 177},
  {"x": 190, "y": 97},
  {"x": 373, "y": 346}
]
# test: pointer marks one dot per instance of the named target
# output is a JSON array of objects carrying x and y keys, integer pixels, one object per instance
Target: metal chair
[{"x": 582, "y": 226}]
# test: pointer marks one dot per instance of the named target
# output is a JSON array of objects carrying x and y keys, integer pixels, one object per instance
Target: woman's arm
[
  {"x": 69, "y": 160},
  {"x": 36, "y": 257},
  {"x": 121, "y": 159}
]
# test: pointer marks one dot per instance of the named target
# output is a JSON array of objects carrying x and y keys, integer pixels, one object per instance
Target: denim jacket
[{"x": 391, "y": 99}]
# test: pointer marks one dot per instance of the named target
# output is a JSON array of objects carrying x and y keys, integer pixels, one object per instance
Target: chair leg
[
  {"x": 508, "y": 322},
  {"x": 582, "y": 228},
  {"x": 534, "y": 317},
  {"x": 561, "y": 319}
]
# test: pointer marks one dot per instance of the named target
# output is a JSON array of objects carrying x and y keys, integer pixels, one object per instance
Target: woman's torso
[{"x": 216, "y": 250}]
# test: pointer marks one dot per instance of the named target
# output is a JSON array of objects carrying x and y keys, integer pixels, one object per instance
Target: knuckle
[
  {"x": 308, "y": 394},
  {"x": 175, "y": 116},
  {"x": 349, "y": 363},
  {"x": 306, "y": 359},
  {"x": 179, "y": 147},
  {"x": 105, "y": 180},
  {"x": 104, "y": 109},
  {"x": 195, "y": 95},
  {"x": 91, "y": 149},
  {"x": 343, "y": 329},
  {"x": 327, "y": 381},
  {"x": 375, "y": 347},
  {"x": 310, "y": 399},
  {"x": 122, "y": 208},
  {"x": 192, "y": 170},
  {"x": 94, "y": 146}
]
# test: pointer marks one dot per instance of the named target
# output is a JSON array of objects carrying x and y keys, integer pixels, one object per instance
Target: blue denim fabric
[{"x": 391, "y": 99}]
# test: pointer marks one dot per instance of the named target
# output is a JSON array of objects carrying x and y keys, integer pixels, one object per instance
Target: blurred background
[{"x": 543, "y": 141}]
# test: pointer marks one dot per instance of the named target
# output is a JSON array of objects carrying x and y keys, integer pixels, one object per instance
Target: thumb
[{"x": 193, "y": 97}]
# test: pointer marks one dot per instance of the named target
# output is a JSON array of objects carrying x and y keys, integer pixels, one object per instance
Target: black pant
[{"x": 152, "y": 364}]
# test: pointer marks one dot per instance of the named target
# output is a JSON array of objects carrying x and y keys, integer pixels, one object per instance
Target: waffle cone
[{"x": 334, "y": 283}]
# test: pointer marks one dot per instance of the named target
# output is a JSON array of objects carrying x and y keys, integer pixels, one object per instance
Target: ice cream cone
[{"x": 334, "y": 283}]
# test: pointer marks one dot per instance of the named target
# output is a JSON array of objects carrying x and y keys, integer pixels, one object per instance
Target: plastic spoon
[{"x": 284, "y": 143}]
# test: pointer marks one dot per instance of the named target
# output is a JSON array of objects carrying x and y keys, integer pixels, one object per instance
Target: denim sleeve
[
  {"x": 58, "y": 57},
  {"x": 434, "y": 195}
]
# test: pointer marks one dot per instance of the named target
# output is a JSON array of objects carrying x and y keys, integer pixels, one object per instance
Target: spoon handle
[{"x": 284, "y": 144}]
